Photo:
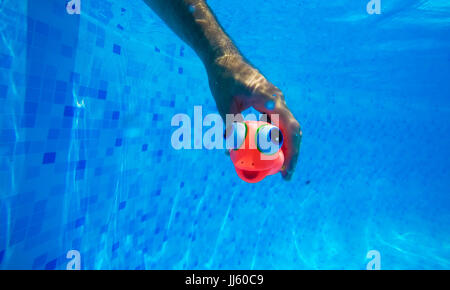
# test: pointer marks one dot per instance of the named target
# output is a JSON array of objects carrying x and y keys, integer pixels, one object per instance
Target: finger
[
  {"x": 291, "y": 147},
  {"x": 289, "y": 127}
]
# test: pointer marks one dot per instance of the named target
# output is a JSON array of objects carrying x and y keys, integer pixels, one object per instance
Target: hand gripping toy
[{"x": 255, "y": 149}]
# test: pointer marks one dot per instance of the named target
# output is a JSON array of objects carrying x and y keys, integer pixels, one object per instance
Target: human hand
[{"x": 236, "y": 86}]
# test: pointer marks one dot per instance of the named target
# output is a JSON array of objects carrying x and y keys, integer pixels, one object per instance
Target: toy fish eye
[
  {"x": 236, "y": 136},
  {"x": 269, "y": 139}
]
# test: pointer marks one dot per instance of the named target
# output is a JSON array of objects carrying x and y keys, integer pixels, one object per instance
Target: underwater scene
[{"x": 90, "y": 177}]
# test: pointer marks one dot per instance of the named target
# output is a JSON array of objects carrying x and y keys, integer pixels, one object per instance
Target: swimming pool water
[{"x": 86, "y": 162}]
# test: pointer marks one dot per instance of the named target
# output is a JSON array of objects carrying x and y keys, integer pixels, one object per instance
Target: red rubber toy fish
[{"x": 255, "y": 149}]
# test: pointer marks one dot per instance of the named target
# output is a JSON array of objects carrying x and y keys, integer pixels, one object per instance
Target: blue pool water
[{"x": 86, "y": 162}]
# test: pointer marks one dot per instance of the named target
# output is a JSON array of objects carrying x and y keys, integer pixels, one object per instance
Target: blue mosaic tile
[
  {"x": 5, "y": 61},
  {"x": 101, "y": 94},
  {"x": 50, "y": 265},
  {"x": 116, "y": 49},
  {"x": 115, "y": 115},
  {"x": 3, "y": 91},
  {"x": 49, "y": 157},
  {"x": 100, "y": 42}
]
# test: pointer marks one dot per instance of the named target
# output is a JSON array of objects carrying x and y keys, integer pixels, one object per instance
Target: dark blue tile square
[
  {"x": 3, "y": 91},
  {"x": 69, "y": 111},
  {"x": 53, "y": 134},
  {"x": 34, "y": 82},
  {"x": 115, "y": 115},
  {"x": 75, "y": 77},
  {"x": 59, "y": 97},
  {"x": 61, "y": 86},
  {"x": 144, "y": 147},
  {"x": 49, "y": 157},
  {"x": 109, "y": 151},
  {"x": 2, "y": 254},
  {"x": 101, "y": 94},
  {"x": 39, "y": 261},
  {"x": 79, "y": 222},
  {"x": 32, "y": 94},
  {"x": 115, "y": 246},
  {"x": 116, "y": 49},
  {"x": 28, "y": 121},
  {"x": 118, "y": 142},
  {"x": 30, "y": 108},
  {"x": 81, "y": 164},
  {"x": 50, "y": 70},
  {"x": 66, "y": 51},
  {"x": 41, "y": 27},
  {"x": 51, "y": 265},
  {"x": 8, "y": 135},
  {"x": 67, "y": 123},
  {"x": 100, "y": 42},
  {"x": 48, "y": 84},
  {"x": 5, "y": 60}
]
